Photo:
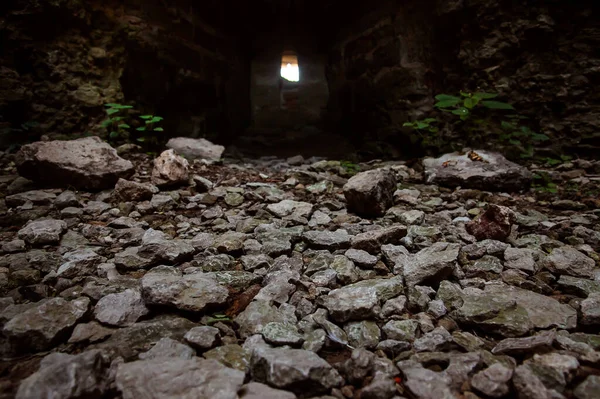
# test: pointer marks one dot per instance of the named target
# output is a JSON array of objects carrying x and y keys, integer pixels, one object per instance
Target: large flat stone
[
  {"x": 86, "y": 163},
  {"x": 494, "y": 172}
]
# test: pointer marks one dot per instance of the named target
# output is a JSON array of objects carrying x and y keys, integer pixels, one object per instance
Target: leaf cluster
[
  {"x": 476, "y": 114},
  {"x": 119, "y": 121}
]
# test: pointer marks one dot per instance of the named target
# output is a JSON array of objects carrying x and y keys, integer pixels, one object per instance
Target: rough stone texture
[
  {"x": 191, "y": 149},
  {"x": 46, "y": 323},
  {"x": 493, "y": 381},
  {"x": 300, "y": 371},
  {"x": 120, "y": 309},
  {"x": 64, "y": 376},
  {"x": 170, "y": 169},
  {"x": 172, "y": 378},
  {"x": 361, "y": 300},
  {"x": 168, "y": 348},
  {"x": 256, "y": 390},
  {"x": 130, "y": 341},
  {"x": 204, "y": 337},
  {"x": 495, "y": 173},
  {"x": 512, "y": 311},
  {"x": 493, "y": 224},
  {"x": 164, "y": 285},
  {"x": 370, "y": 193},
  {"x": 126, "y": 190},
  {"x": 589, "y": 388},
  {"x": 39, "y": 232},
  {"x": 569, "y": 261},
  {"x": 86, "y": 163}
]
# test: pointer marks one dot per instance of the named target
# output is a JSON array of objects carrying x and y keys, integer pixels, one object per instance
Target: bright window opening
[{"x": 289, "y": 67}]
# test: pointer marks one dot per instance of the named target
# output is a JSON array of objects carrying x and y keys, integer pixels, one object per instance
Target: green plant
[
  {"x": 150, "y": 125},
  {"x": 553, "y": 161},
  {"x": 521, "y": 137},
  {"x": 542, "y": 182},
  {"x": 350, "y": 167},
  {"x": 116, "y": 121},
  {"x": 473, "y": 114},
  {"x": 119, "y": 122},
  {"x": 215, "y": 318},
  {"x": 465, "y": 105},
  {"x": 427, "y": 131}
]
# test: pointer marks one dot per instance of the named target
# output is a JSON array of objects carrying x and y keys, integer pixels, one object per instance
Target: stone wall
[
  {"x": 307, "y": 99},
  {"x": 542, "y": 56},
  {"x": 61, "y": 60}
]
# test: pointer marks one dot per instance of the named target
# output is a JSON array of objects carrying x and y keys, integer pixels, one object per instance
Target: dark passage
[{"x": 212, "y": 69}]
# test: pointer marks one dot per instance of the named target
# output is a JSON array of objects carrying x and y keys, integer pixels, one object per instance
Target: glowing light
[{"x": 289, "y": 68}]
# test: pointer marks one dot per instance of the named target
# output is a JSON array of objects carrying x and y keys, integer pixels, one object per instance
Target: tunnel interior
[
  {"x": 286, "y": 77},
  {"x": 239, "y": 95}
]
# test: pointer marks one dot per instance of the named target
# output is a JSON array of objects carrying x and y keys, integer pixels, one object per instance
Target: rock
[
  {"x": 168, "y": 348},
  {"x": 363, "y": 334},
  {"x": 129, "y": 342},
  {"x": 36, "y": 197},
  {"x": 332, "y": 240},
  {"x": 158, "y": 247},
  {"x": 361, "y": 300},
  {"x": 371, "y": 241},
  {"x": 291, "y": 208},
  {"x": 425, "y": 383},
  {"x": 361, "y": 258},
  {"x": 569, "y": 261},
  {"x": 231, "y": 355},
  {"x": 257, "y": 315},
  {"x": 521, "y": 259},
  {"x": 578, "y": 286},
  {"x": 170, "y": 170},
  {"x": 64, "y": 376},
  {"x": 493, "y": 381},
  {"x": 167, "y": 286},
  {"x": 370, "y": 193},
  {"x": 429, "y": 265},
  {"x": 126, "y": 190},
  {"x": 401, "y": 330},
  {"x": 203, "y": 337},
  {"x": 516, "y": 346},
  {"x": 590, "y": 310},
  {"x": 87, "y": 163},
  {"x": 256, "y": 390},
  {"x": 494, "y": 173},
  {"x": 80, "y": 263},
  {"x": 45, "y": 324},
  {"x": 512, "y": 311},
  {"x": 45, "y": 231},
  {"x": 120, "y": 309},
  {"x": 494, "y": 224},
  {"x": 171, "y": 378},
  {"x": 230, "y": 242},
  {"x": 299, "y": 371},
  {"x": 528, "y": 385},
  {"x": 196, "y": 148},
  {"x": 89, "y": 332},
  {"x": 412, "y": 217},
  {"x": 282, "y": 334},
  {"x": 589, "y": 388},
  {"x": 434, "y": 341}
]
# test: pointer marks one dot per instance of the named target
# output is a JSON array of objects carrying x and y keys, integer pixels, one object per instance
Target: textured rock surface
[
  {"x": 493, "y": 173},
  {"x": 178, "y": 378},
  {"x": 170, "y": 169},
  {"x": 86, "y": 163},
  {"x": 370, "y": 193},
  {"x": 196, "y": 148},
  {"x": 67, "y": 376},
  {"x": 289, "y": 293}
]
